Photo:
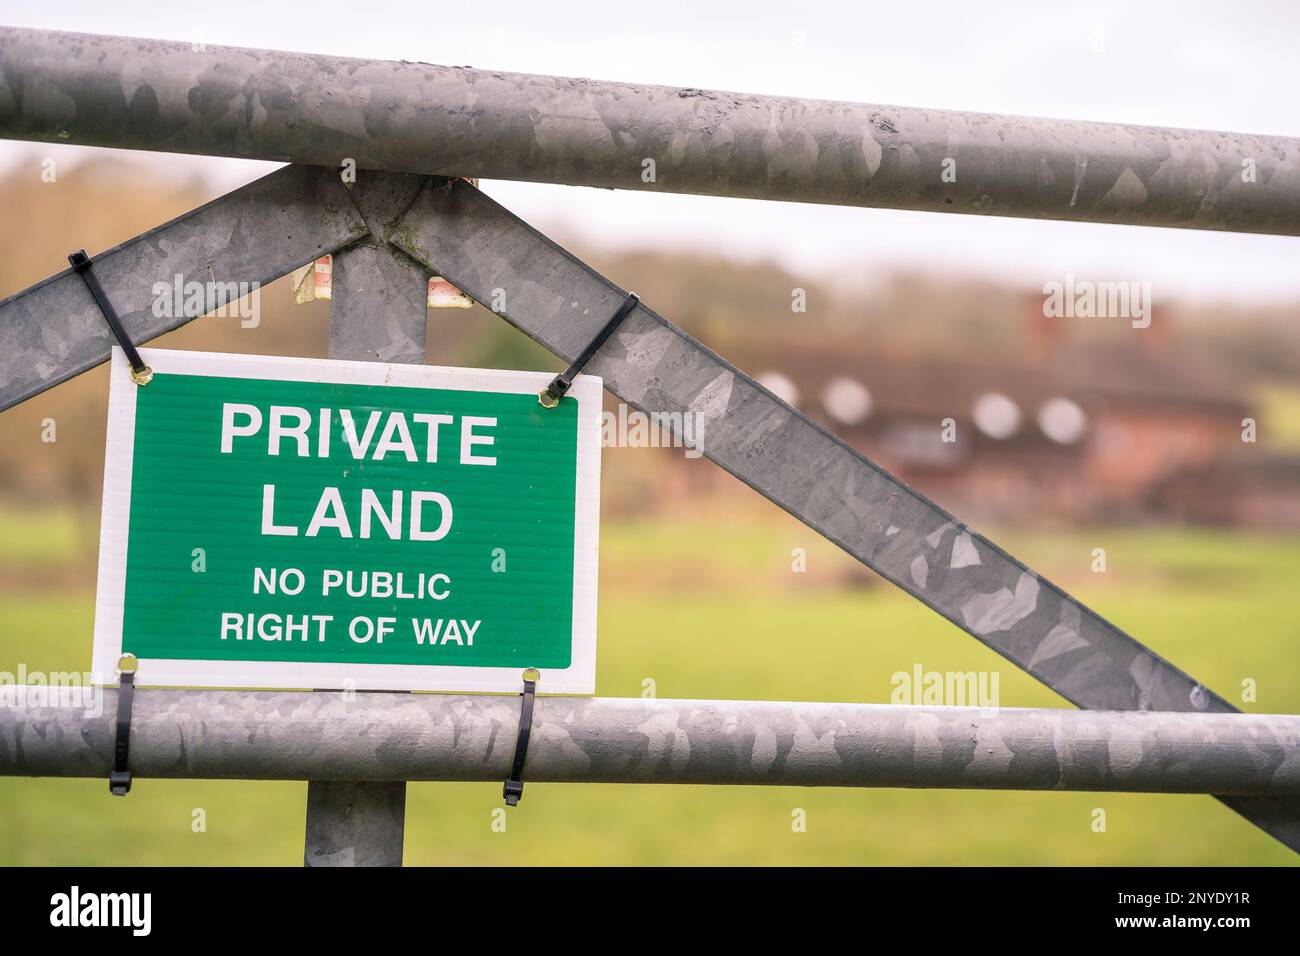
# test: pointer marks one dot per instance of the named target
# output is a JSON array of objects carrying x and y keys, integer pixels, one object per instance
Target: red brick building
[{"x": 1092, "y": 432}]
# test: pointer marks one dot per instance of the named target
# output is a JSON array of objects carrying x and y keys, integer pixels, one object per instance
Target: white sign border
[{"x": 578, "y": 678}]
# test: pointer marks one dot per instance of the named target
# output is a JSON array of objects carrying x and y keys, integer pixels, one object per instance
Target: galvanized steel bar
[
  {"x": 416, "y": 117},
  {"x": 351, "y": 823},
  {"x": 379, "y": 309},
  {"x": 378, "y": 313},
  {"x": 837, "y": 491},
  {"x": 397, "y": 737},
  {"x": 54, "y": 330}
]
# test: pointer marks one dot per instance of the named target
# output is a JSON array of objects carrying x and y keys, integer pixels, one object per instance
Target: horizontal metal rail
[
  {"x": 416, "y": 117},
  {"x": 381, "y": 737}
]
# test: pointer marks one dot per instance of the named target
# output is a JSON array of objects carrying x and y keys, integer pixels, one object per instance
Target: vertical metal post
[
  {"x": 378, "y": 314},
  {"x": 354, "y": 823}
]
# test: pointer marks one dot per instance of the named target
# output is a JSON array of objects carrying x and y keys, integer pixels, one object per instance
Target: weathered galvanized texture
[
  {"x": 380, "y": 295},
  {"x": 53, "y": 330},
  {"x": 378, "y": 314},
  {"x": 654, "y": 366},
  {"x": 554, "y": 298},
  {"x": 416, "y": 117},
  {"x": 354, "y": 824},
  {"x": 395, "y": 737},
  {"x": 391, "y": 293}
]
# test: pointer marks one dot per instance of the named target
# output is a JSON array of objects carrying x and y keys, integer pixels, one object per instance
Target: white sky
[{"x": 1164, "y": 62}]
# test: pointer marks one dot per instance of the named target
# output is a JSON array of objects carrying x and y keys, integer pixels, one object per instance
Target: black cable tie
[
  {"x": 141, "y": 374},
  {"x": 514, "y": 788},
  {"x": 119, "y": 778},
  {"x": 550, "y": 396}
]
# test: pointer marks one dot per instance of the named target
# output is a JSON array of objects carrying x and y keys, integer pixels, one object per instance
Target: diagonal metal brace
[
  {"x": 560, "y": 385},
  {"x": 654, "y": 366},
  {"x": 258, "y": 233}
]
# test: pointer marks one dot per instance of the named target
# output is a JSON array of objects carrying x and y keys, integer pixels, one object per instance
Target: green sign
[{"x": 277, "y": 522}]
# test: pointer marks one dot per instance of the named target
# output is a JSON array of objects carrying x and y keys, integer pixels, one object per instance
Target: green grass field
[{"x": 706, "y": 606}]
